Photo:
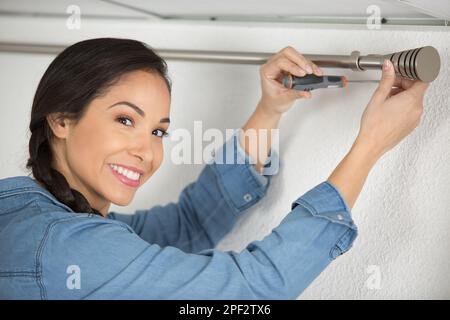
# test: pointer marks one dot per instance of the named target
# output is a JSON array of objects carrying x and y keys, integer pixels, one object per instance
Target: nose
[{"x": 143, "y": 148}]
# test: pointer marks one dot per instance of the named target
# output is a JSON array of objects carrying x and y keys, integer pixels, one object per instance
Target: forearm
[
  {"x": 351, "y": 173},
  {"x": 256, "y": 139},
  {"x": 348, "y": 177}
]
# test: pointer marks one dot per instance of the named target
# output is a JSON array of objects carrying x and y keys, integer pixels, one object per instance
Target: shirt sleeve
[
  {"x": 208, "y": 208},
  {"x": 115, "y": 263}
]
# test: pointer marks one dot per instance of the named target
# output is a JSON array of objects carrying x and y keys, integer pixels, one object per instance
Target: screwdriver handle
[{"x": 311, "y": 82}]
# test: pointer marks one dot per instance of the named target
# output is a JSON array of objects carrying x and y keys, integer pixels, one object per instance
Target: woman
[{"x": 98, "y": 119}]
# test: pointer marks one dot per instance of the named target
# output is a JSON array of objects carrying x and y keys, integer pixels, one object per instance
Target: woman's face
[{"x": 114, "y": 135}]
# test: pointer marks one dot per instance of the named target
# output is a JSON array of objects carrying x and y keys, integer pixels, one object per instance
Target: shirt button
[
  {"x": 340, "y": 217},
  {"x": 248, "y": 197}
]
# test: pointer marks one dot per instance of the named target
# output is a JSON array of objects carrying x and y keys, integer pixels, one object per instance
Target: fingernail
[
  {"x": 386, "y": 65},
  {"x": 309, "y": 69}
]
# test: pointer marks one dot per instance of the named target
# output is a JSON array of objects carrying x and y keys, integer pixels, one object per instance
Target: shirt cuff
[
  {"x": 271, "y": 165},
  {"x": 326, "y": 201},
  {"x": 242, "y": 183}
]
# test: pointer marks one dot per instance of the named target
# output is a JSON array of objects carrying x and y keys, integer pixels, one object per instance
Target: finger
[
  {"x": 395, "y": 91},
  {"x": 299, "y": 59},
  {"x": 305, "y": 94},
  {"x": 275, "y": 69},
  {"x": 419, "y": 87},
  {"x": 307, "y": 65},
  {"x": 287, "y": 65},
  {"x": 297, "y": 94},
  {"x": 317, "y": 70},
  {"x": 402, "y": 82},
  {"x": 386, "y": 82}
]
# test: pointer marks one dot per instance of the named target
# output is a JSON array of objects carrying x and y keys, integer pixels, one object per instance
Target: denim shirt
[{"x": 48, "y": 251}]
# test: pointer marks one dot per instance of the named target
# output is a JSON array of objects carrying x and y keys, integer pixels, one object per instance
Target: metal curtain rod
[{"x": 420, "y": 63}]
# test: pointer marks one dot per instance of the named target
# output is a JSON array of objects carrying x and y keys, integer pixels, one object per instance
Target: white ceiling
[
  {"x": 136, "y": 9},
  {"x": 435, "y": 8},
  {"x": 59, "y": 7}
]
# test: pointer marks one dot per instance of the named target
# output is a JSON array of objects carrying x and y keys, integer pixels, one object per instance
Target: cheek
[
  {"x": 158, "y": 157},
  {"x": 90, "y": 147}
]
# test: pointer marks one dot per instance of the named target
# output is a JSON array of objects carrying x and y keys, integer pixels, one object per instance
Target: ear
[{"x": 59, "y": 124}]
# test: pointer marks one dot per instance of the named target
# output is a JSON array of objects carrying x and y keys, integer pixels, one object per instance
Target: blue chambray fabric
[{"x": 167, "y": 252}]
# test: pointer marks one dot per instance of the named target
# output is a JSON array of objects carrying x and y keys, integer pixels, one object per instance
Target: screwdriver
[{"x": 311, "y": 82}]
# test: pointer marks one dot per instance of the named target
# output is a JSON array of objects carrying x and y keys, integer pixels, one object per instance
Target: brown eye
[
  {"x": 123, "y": 120},
  {"x": 160, "y": 133}
]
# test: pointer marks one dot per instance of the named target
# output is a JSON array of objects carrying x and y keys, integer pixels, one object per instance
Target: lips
[
  {"x": 125, "y": 180},
  {"x": 140, "y": 171}
]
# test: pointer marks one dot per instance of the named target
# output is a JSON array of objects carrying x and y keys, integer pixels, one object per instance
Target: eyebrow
[{"x": 137, "y": 109}]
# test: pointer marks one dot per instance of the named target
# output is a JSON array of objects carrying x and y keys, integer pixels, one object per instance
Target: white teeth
[{"x": 127, "y": 173}]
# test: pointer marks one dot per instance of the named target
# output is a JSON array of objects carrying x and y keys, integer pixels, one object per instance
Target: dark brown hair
[{"x": 79, "y": 74}]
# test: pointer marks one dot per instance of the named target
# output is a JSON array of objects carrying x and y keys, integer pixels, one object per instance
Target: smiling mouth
[{"x": 126, "y": 176}]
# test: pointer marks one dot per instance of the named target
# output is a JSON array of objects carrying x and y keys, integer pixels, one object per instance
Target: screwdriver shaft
[
  {"x": 363, "y": 81},
  {"x": 368, "y": 81}
]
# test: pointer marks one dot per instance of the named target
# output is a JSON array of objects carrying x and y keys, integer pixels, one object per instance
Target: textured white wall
[{"x": 403, "y": 210}]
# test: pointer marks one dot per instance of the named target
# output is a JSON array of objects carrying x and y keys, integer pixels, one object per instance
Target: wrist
[
  {"x": 366, "y": 150},
  {"x": 267, "y": 111},
  {"x": 351, "y": 173}
]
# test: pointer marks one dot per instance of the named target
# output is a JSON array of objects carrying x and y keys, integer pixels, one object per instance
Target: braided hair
[{"x": 78, "y": 75}]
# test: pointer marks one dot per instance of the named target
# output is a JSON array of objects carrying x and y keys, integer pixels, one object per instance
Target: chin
[
  {"x": 120, "y": 197},
  {"x": 121, "y": 201}
]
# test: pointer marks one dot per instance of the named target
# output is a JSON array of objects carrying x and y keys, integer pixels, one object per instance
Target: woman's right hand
[{"x": 391, "y": 114}]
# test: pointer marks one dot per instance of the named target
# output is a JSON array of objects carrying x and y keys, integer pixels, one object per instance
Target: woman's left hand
[{"x": 276, "y": 99}]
